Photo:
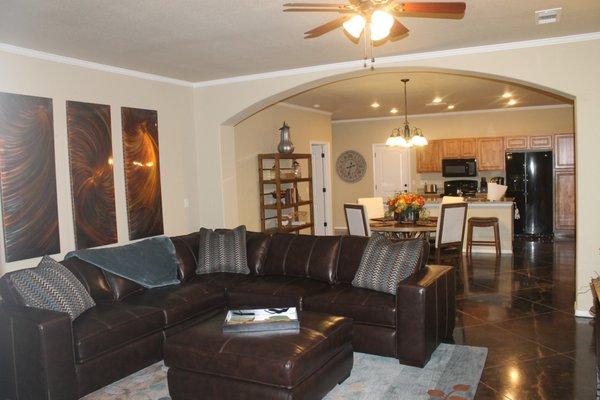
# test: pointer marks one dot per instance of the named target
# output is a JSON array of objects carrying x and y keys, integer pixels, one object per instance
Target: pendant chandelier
[{"x": 406, "y": 137}]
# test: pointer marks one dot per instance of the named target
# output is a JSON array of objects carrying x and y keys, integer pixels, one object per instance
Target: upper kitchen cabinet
[
  {"x": 468, "y": 148},
  {"x": 429, "y": 157},
  {"x": 451, "y": 148},
  {"x": 564, "y": 151},
  {"x": 516, "y": 142},
  {"x": 540, "y": 142},
  {"x": 490, "y": 154}
]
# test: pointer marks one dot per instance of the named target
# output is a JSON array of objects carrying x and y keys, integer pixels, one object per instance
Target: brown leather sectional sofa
[{"x": 45, "y": 355}]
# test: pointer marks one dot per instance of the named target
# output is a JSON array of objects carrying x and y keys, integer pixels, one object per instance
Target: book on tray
[{"x": 261, "y": 320}]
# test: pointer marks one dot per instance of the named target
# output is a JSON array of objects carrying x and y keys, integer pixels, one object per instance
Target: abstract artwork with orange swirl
[
  {"x": 92, "y": 177},
  {"x": 142, "y": 172},
  {"x": 28, "y": 177}
]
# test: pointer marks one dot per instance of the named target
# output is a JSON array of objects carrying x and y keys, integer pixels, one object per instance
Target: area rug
[{"x": 452, "y": 371}]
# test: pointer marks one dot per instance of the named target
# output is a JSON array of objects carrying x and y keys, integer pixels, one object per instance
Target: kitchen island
[{"x": 503, "y": 210}]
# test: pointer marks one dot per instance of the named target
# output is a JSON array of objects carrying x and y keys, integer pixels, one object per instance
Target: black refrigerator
[{"x": 529, "y": 177}]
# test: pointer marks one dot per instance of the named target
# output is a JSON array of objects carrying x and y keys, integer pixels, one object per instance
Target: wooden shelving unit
[{"x": 277, "y": 164}]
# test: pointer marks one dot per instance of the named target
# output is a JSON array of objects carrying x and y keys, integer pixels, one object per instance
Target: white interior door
[
  {"x": 321, "y": 188},
  {"x": 391, "y": 167}
]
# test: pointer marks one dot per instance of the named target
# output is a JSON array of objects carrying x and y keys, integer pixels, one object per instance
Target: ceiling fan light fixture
[
  {"x": 354, "y": 26},
  {"x": 381, "y": 24}
]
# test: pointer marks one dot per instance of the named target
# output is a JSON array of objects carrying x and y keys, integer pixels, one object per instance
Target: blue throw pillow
[{"x": 51, "y": 286}]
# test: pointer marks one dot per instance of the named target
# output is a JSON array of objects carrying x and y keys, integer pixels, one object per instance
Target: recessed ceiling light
[
  {"x": 316, "y": 105},
  {"x": 394, "y": 110},
  {"x": 437, "y": 100},
  {"x": 506, "y": 95},
  {"x": 375, "y": 104},
  {"x": 512, "y": 102},
  {"x": 451, "y": 107}
]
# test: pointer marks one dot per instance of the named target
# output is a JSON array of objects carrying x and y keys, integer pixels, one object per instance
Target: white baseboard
[{"x": 583, "y": 314}]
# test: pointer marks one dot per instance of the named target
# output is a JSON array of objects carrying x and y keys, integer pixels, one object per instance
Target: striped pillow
[
  {"x": 223, "y": 251},
  {"x": 51, "y": 286},
  {"x": 385, "y": 263}
]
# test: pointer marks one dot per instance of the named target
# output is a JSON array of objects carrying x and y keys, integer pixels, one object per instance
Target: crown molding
[
  {"x": 303, "y": 108},
  {"x": 452, "y": 113},
  {"x": 41, "y": 55},
  {"x": 355, "y": 64},
  {"x": 404, "y": 58}
]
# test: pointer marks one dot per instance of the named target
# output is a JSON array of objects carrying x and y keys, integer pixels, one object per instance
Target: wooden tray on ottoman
[{"x": 206, "y": 363}]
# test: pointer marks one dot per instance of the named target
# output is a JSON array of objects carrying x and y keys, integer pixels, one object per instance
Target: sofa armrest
[
  {"x": 425, "y": 313},
  {"x": 37, "y": 354}
]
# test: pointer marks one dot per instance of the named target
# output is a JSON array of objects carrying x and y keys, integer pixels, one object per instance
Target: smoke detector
[{"x": 548, "y": 16}]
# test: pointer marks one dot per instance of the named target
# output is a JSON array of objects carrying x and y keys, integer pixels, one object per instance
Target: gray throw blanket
[{"x": 151, "y": 262}]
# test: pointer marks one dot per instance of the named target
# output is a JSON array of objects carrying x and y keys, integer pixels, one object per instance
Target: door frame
[
  {"x": 327, "y": 179},
  {"x": 410, "y": 176}
]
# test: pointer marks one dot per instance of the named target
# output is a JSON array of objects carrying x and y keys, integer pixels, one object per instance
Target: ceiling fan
[{"x": 380, "y": 16}]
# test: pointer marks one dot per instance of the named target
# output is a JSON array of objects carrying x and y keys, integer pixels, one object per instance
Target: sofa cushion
[
  {"x": 107, "y": 327},
  {"x": 186, "y": 248},
  {"x": 362, "y": 305},
  {"x": 385, "y": 263},
  {"x": 257, "y": 247},
  {"x": 51, "y": 286},
  {"x": 223, "y": 280},
  {"x": 222, "y": 251},
  {"x": 351, "y": 251},
  {"x": 304, "y": 256},
  {"x": 273, "y": 291},
  {"x": 92, "y": 278},
  {"x": 181, "y": 302}
]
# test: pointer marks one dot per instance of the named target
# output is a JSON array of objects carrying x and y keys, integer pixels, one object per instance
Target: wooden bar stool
[{"x": 475, "y": 222}]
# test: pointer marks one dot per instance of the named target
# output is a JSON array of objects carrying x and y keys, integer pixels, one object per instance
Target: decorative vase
[
  {"x": 407, "y": 216},
  {"x": 285, "y": 144}
]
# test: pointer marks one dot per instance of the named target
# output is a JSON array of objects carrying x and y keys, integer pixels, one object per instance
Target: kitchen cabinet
[
  {"x": 540, "y": 142},
  {"x": 490, "y": 154},
  {"x": 429, "y": 157},
  {"x": 516, "y": 142},
  {"x": 564, "y": 151},
  {"x": 468, "y": 148},
  {"x": 451, "y": 148},
  {"x": 564, "y": 201}
]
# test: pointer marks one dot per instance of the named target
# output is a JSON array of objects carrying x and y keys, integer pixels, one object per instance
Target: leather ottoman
[{"x": 205, "y": 363}]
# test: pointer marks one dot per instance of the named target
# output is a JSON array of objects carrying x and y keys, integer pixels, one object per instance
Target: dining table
[{"x": 404, "y": 230}]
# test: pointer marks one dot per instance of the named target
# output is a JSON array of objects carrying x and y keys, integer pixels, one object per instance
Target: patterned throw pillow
[
  {"x": 385, "y": 263},
  {"x": 223, "y": 251},
  {"x": 51, "y": 286}
]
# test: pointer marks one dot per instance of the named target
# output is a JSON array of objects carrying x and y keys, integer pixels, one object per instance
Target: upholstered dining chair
[
  {"x": 374, "y": 206},
  {"x": 357, "y": 220},
  {"x": 450, "y": 231}
]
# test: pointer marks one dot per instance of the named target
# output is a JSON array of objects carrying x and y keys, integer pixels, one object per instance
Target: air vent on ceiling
[{"x": 548, "y": 16}]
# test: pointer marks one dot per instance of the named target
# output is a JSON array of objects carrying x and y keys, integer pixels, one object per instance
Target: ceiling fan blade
[
  {"x": 430, "y": 9},
  {"x": 337, "y": 10},
  {"x": 397, "y": 30},
  {"x": 313, "y": 5},
  {"x": 327, "y": 27}
]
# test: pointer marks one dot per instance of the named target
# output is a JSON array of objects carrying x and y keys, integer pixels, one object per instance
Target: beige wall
[
  {"x": 361, "y": 135},
  {"x": 259, "y": 134},
  {"x": 569, "y": 66},
  {"x": 60, "y": 82}
]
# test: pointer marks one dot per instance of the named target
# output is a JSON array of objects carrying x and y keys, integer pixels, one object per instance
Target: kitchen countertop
[{"x": 476, "y": 203}]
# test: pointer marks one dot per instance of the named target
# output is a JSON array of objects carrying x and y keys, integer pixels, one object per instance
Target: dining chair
[
  {"x": 374, "y": 206},
  {"x": 357, "y": 220},
  {"x": 450, "y": 231}
]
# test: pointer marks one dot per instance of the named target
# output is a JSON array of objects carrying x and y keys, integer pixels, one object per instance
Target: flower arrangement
[{"x": 406, "y": 206}]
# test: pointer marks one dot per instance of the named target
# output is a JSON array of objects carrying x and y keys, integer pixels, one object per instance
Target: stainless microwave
[{"x": 457, "y": 168}]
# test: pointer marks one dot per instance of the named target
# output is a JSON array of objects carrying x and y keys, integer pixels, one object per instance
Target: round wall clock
[{"x": 351, "y": 166}]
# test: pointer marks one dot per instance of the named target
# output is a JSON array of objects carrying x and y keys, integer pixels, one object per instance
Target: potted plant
[{"x": 406, "y": 206}]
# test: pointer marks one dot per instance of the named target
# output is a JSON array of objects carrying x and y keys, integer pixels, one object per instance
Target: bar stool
[{"x": 475, "y": 222}]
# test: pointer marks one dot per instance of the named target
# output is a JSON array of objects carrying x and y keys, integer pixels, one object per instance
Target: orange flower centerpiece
[{"x": 406, "y": 206}]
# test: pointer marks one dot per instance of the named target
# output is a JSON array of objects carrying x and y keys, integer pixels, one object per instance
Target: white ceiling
[
  {"x": 198, "y": 40},
  {"x": 352, "y": 98}
]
